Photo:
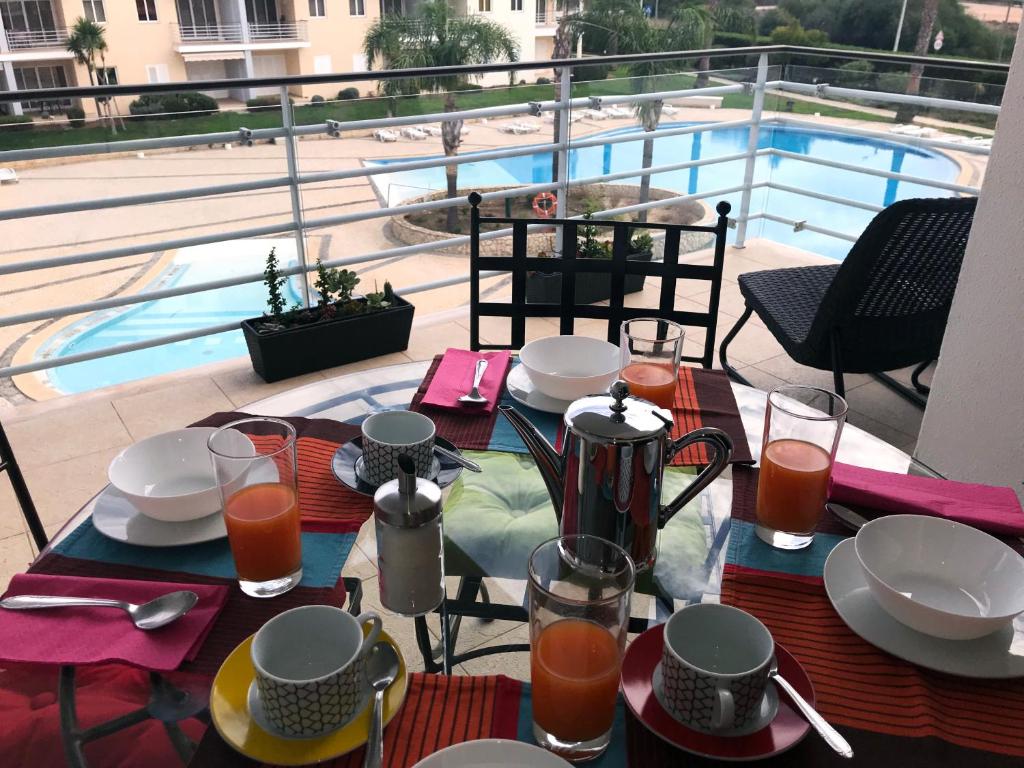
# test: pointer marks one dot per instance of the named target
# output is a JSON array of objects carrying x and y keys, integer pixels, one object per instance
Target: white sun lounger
[
  {"x": 8, "y": 176},
  {"x": 668, "y": 109},
  {"x": 594, "y": 114},
  {"x": 414, "y": 133},
  {"x": 618, "y": 112},
  {"x": 432, "y": 130},
  {"x": 385, "y": 135}
]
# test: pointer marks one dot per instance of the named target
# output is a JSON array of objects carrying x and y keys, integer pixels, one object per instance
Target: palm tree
[
  {"x": 437, "y": 38},
  {"x": 85, "y": 41},
  {"x": 690, "y": 26},
  {"x": 929, "y": 12}
]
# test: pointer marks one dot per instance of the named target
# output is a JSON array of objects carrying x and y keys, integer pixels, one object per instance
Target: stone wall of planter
[{"x": 407, "y": 233}]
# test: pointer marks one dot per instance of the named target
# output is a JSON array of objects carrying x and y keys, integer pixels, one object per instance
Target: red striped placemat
[
  {"x": 439, "y": 711},
  {"x": 323, "y": 500}
]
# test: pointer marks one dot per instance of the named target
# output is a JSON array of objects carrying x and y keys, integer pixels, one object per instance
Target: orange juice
[
  {"x": 793, "y": 485},
  {"x": 651, "y": 381},
  {"x": 574, "y": 670},
  {"x": 263, "y": 531}
]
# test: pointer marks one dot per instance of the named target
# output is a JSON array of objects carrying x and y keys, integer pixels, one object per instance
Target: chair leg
[
  {"x": 837, "y": 366},
  {"x": 730, "y": 371},
  {"x": 28, "y": 508},
  {"x": 903, "y": 391},
  {"x": 915, "y": 378}
]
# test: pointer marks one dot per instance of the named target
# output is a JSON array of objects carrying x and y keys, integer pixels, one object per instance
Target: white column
[
  {"x": 8, "y": 70},
  {"x": 973, "y": 427}
]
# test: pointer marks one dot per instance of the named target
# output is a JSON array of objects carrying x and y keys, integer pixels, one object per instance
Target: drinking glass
[
  {"x": 255, "y": 464},
  {"x": 580, "y": 587},
  {"x": 802, "y": 426},
  {"x": 650, "y": 350}
]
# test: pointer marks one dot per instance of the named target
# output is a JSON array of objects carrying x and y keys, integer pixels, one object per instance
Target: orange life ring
[{"x": 545, "y": 205}]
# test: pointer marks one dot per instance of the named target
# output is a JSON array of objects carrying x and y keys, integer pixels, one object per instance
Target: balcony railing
[
  {"x": 278, "y": 30},
  {"x": 548, "y": 17},
  {"x": 218, "y": 33},
  {"x": 37, "y": 38},
  {"x": 236, "y": 33},
  {"x": 738, "y": 174}
]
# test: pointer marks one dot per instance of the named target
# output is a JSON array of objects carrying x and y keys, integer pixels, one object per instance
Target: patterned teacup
[
  {"x": 309, "y": 668},
  {"x": 715, "y": 667},
  {"x": 389, "y": 434}
]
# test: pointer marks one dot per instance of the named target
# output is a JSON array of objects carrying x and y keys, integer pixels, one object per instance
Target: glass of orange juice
[
  {"x": 650, "y": 350},
  {"x": 580, "y": 588},
  {"x": 255, "y": 463},
  {"x": 802, "y": 426}
]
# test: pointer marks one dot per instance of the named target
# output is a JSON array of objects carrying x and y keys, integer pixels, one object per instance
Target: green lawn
[{"x": 364, "y": 109}]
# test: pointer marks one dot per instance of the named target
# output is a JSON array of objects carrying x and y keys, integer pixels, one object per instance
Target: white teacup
[
  {"x": 388, "y": 435},
  {"x": 309, "y": 668},
  {"x": 715, "y": 667}
]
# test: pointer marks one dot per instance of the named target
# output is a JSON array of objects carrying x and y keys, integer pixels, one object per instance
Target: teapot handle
[{"x": 722, "y": 445}]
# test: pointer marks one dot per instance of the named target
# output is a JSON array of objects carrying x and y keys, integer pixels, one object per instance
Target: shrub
[
  {"x": 76, "y": 116},
  {"x": 263, "y": 103},
  {"x": 587, "y": 72},
  {"x": 467, "y": 86},
  {"x": 164, "y": 106},
  {"x": 15, "y": 123},
  {"x": 857, "y": 74},
  {"x": 347, "y": 94},
  {"x": 317, "y": 100},
  {"x": 543, "y": 81}
]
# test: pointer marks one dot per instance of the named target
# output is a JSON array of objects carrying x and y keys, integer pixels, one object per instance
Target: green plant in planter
[
  {"x": 591, "y": 247},
  {"x": 273, "y": 279},
  {"x": 641, "y": 242}
]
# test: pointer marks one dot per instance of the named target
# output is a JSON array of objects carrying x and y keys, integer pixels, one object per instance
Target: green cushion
[{"x": 495, "y": 518}]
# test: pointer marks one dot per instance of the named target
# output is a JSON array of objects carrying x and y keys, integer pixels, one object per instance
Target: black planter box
[
  {"x": 591, "y": 287},
  {"x": 327, "y": 343}
]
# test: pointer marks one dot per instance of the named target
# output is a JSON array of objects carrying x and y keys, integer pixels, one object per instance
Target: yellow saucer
[{"x": 230, "y": 710}]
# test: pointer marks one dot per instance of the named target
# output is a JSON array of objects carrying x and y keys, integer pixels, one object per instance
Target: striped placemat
[{"x": 704, "y": 398}]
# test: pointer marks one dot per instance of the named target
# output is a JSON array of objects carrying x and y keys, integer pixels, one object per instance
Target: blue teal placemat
[
  {"x": 613, "y": 757},
  {"x": 746, "y": 550},
  {"x": 323, "y": 554}
]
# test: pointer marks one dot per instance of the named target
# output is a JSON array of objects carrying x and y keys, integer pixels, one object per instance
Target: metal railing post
[
  {"x": 565, "y": 104},
  {"x": 288, "y": 120},
  {"x": 755, "y": 133}
]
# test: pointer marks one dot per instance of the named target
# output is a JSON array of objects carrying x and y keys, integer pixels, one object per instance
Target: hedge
[{"x": 165, "y": 106}]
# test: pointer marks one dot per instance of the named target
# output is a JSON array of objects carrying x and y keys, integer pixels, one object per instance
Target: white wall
[{"x": 973, "y": 427}]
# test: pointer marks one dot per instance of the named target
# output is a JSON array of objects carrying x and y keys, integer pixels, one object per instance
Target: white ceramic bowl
[
  {"x": 169, "y": 477},
  {"x": 939, "y": 577},
  {"x": 570, "y": 367}
]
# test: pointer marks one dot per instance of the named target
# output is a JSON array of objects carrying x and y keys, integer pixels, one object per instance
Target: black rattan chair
[
  {"x": 9, "y": 465},
  {"x": 568, "y": 308},
  {"x": 884, "y": 307}
]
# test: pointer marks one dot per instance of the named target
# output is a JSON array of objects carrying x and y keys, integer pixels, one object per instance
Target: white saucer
[
  {"x": 996, "y": 656},
  {"x": 260, "y": 717},
  {"x": 492, "y": 753},
  {"x": 769, "y": 708},
  {"x": 117, "y": 518},
  {"x": 523, "y": 390}
]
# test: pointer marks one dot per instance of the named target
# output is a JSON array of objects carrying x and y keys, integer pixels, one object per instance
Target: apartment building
[{"x": 154, "y": 41}]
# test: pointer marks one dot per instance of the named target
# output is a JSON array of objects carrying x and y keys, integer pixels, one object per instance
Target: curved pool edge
[{"x": 37, "y": 385}]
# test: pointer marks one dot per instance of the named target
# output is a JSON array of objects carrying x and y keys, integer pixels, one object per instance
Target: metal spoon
[
  {"x": 152, "y": 615},
  {"x": 462, "y": 461},
  {"x": 474, "y": 397},
  {"x": 852, "y": 520},
  {"x": 381, "y": 671},
  {"x": 826, "y": 731}
]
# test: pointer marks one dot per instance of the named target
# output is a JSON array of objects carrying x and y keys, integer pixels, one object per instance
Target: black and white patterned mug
[
  {"x": 389, "y": 434},
  {"x": 309, "y": 668},
  {"x": 714, "y": 667}
]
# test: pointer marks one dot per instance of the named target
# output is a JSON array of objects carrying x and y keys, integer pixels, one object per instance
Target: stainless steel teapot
[{"x": 607, "y": 480}]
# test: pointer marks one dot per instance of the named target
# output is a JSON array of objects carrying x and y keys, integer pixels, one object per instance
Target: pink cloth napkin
[
  {"x": 454, "y": 378},
  {"x": 95, "y": 635},
  {"x": 986, "y": 507}
]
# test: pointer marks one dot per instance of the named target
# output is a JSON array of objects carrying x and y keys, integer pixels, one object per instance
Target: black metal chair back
[
  {"x": 9, "y": 465},
  {"x": 670, "y": 270},
  {"x": 891, "y": 297}
]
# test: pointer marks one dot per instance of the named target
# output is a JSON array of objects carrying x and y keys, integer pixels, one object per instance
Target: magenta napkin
[
  {"x": 989, "y": 508},
  {"x": 95, "y": 635},
  {"x": 454, "y": 378}
]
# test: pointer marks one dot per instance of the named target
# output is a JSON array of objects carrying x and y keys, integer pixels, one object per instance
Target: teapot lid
[{"x": 617, "y": 417}]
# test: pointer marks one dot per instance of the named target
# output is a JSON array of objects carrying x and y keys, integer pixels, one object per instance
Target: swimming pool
[
  {"x": 397, "y": 187},
  {"x": 172, "y": 315}
]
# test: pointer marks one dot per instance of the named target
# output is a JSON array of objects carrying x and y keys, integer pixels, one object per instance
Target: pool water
[
  {"x": 172, "y": 315},
  {"x": 588, "y": 162}
]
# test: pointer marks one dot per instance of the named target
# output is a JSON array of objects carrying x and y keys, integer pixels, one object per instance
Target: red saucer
[{"x": 784, "y": 732}]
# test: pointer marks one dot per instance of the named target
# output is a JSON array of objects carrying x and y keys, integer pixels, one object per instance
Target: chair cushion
[{"x": 787, "y": 300}]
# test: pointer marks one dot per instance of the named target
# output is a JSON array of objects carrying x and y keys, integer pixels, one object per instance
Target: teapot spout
[{"x": 548, "y": 461}]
